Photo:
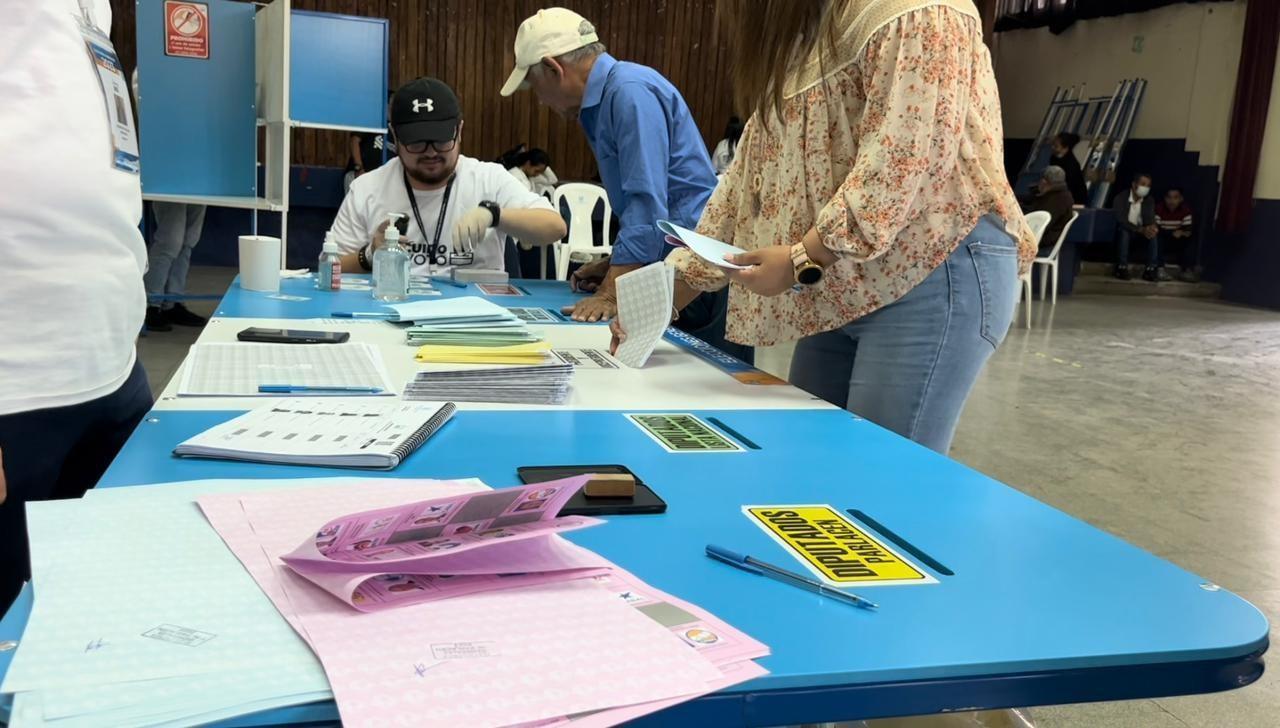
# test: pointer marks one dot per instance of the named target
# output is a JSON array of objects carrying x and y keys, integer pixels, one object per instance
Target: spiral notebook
[{"x": 325, "y": 432}]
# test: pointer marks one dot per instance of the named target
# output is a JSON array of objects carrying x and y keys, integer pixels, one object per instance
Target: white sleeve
[
  {"x": 349, "y": 229},
  {"x": 549, "y": 176},
  {"x": 521, "y": 177},
  {"x": 509, "y": 193}
]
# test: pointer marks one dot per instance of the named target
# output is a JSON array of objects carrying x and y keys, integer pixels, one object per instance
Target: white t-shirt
[
  {"x": 72, "y": 302},
  {"x": 545, "y": 181},
  {"x": 1135, "y": 209},
  {"x": 375, "y": 194},
  {"x": 521, "y": 177}
]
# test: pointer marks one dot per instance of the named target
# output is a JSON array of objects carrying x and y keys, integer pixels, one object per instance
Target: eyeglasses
[{"x": 420, "y": 147}]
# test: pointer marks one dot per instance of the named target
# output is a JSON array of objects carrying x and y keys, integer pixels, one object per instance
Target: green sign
[{"x": 677, "y": 432}]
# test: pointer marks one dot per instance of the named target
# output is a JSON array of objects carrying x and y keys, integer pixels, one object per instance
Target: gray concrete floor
[{"x": 1153, "y": 418}]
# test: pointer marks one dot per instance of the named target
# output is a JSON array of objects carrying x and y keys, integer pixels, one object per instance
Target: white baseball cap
[{"x": 552, "y": 32}]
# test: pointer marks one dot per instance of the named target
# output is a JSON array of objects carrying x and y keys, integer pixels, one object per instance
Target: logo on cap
[{"x": 429, "y": 105}]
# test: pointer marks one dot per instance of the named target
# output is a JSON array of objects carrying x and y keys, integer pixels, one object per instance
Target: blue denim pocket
[{"x": 995, "y": 260}]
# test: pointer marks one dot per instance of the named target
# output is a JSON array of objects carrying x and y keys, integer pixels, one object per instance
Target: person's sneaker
[
  {"x": 156, "y": 320},
  {"x": 182, "y": 316},
  {"x": 1162, "y": 275},
  {"x": 1122, "y": 272},
  {"x": 1151, "y": 273},
  {"x": 1189, "y": 276}
]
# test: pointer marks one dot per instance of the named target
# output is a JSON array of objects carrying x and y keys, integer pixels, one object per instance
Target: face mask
[{"x": 1144, "y": 191}]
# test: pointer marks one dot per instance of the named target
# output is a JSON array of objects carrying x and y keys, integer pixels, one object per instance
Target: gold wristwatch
[{"x": 808, "y": 273}]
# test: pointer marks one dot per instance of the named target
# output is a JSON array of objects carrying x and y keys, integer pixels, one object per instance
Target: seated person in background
[
  {"x": 364, "y": 152},
  {"x": 460, "y": 210},
  {"x": 1173, "y": 217},
  {"x": 1136, "y": 220},
  {"x": 508, "y": 158},
  {"x": 723, "y": 153},
  {"x": 1064, "y": 157},
  {"x": 533, "y": 170},
  {"x": 1054, "y": 198}
]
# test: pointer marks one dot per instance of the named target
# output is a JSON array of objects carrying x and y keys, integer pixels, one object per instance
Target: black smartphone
[
  {"x": 644, "y": 501},
  {"x": 292, "y": 336}
]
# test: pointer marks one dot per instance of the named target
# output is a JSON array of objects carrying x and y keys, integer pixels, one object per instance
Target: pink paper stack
[{"x": 440, "y": 603}]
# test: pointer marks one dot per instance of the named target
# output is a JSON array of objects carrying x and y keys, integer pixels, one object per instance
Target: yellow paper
[{"x": 531, "y": 353}]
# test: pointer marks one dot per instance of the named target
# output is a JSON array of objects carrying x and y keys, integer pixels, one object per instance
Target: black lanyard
[{"x": 434, "y": 250}]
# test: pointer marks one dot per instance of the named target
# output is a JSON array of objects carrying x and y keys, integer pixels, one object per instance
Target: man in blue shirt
[{"x": 650, "y": 153}]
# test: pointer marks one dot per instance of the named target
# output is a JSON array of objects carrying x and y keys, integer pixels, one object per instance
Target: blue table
[
  {"x": 240, "y": 303},
  {"x": 1041, "y": 609}
]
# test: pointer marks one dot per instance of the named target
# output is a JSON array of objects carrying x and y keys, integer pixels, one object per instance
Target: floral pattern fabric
[{"x": 894, "y": 153}]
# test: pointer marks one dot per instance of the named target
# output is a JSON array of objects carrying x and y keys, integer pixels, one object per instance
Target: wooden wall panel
[{"x": 468, "y": 44}]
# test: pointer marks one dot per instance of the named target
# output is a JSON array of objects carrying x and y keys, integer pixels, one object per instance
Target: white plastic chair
[
  {"x": 579, "y": 244},
  {"x": 1037, "y": 221},
  {"x": 1050, "y": 262}
]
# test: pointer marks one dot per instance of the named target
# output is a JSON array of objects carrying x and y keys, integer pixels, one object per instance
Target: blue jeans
[
  {"x": 909, "y": 366},
  {"x": 1126, "y": 239},
  {"x": 178, "y": 228}
]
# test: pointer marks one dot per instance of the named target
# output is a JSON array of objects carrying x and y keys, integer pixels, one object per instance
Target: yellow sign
[{"x": 833, "y": 547}]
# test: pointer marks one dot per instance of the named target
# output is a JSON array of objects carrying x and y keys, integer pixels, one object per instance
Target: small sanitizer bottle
[
  {"x": 391, "y": 267},
  {"x": 329, "y": 271}
]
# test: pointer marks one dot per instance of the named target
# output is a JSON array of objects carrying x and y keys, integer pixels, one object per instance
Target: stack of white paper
[
  {"x": 540, "y": 384},
  {"x": 467, "y": 309},
  {"x": 645, "y": 299}
]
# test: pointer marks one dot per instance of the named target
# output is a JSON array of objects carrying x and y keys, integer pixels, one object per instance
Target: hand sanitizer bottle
[
  {"x": 329, "y": 270},
  {"x": 391, "y": 267}
]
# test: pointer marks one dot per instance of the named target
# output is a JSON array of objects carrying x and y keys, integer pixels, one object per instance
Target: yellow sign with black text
[{"x": 834, "y": 548}]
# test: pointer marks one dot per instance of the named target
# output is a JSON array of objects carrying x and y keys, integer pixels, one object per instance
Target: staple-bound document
[{"x": 325, "y": 432}]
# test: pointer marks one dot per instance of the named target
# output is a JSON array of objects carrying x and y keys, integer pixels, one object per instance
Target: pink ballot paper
[
  {"x": 445, "y": 547},
  {"x": 578, "y": 648}
]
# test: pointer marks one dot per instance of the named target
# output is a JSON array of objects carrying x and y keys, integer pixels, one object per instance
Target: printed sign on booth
[{"x": 186, "y": 29}]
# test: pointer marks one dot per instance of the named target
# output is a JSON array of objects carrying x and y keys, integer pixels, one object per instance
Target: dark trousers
[
  {"x": 1179, "y": 250},
  {"x": 59, "y": 453},
  {"x": 705, "y": 319},
  {"x": 1125, "y": 239}
]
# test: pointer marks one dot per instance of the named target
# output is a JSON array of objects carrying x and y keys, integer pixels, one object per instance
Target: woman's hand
[{"x": 771, "y": 272}]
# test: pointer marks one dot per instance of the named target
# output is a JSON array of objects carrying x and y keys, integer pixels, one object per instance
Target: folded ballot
[
  {"x": 446, "y": 547},
  {"x": 709, "y": 249}
]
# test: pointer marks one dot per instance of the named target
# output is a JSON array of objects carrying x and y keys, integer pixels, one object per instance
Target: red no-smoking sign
[{"x": 186, "y": 29}]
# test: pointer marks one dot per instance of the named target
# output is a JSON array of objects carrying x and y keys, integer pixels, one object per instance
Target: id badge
[{"x": 115, "y": 95}]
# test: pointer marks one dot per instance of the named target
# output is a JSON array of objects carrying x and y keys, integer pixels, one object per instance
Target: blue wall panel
[
  {"x": 338, "y": 70},
  {"x": 197, "y": 117}
]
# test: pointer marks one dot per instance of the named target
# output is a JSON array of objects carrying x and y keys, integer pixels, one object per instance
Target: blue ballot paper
[{"x": 144, "y": 617}]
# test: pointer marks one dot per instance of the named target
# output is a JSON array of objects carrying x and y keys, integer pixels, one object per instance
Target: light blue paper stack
[{"x": 143, "y": 617}]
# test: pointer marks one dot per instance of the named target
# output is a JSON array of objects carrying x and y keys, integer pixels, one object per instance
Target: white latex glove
[{"x": 470, "y": 229}]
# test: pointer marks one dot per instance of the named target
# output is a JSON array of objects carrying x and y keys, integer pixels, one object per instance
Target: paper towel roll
[{"x": 259, "y": 263}]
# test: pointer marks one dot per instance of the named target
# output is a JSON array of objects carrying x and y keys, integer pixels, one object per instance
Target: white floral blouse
[{"x": 894, "y": 151}]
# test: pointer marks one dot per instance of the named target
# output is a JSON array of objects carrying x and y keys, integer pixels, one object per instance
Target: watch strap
[{"x": 493, "y": 209}]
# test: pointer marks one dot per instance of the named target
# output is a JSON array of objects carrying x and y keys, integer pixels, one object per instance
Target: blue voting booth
[{"x": 217, "y": 130}]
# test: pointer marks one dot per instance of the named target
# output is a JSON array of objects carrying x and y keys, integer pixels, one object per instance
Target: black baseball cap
[{"x": 425, "y": 109}]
